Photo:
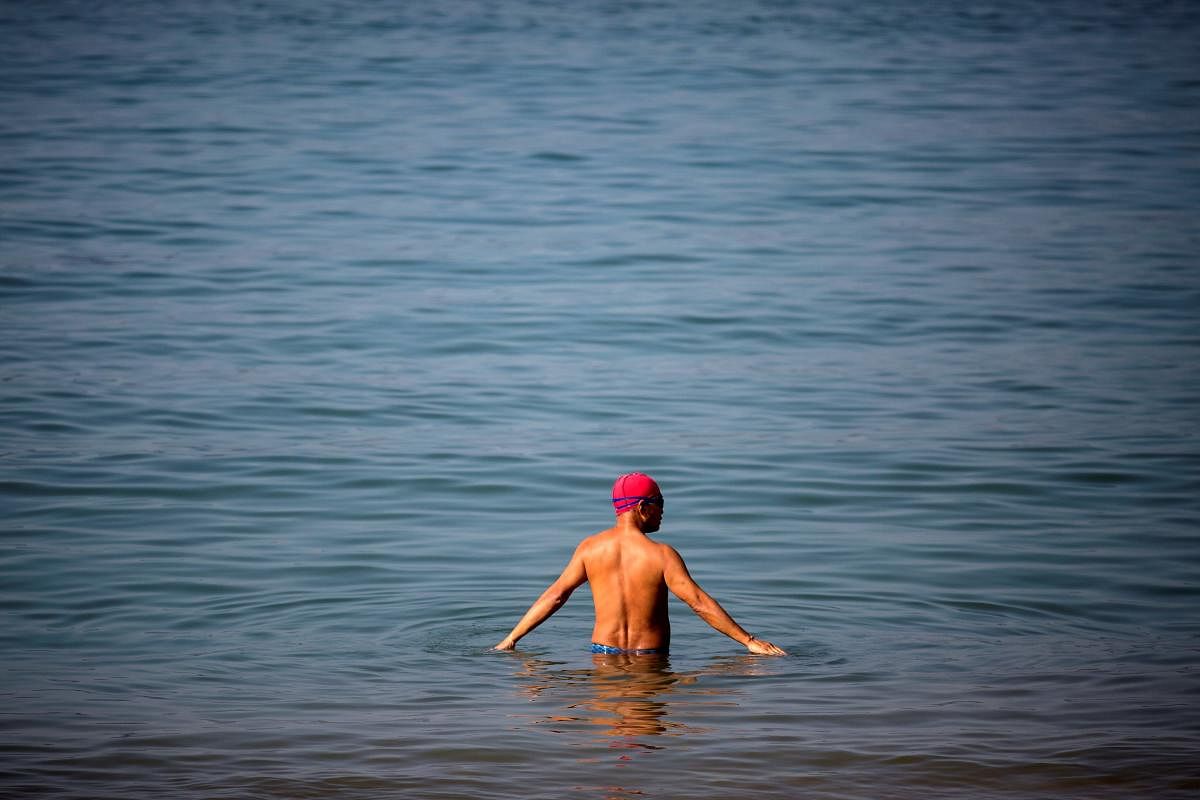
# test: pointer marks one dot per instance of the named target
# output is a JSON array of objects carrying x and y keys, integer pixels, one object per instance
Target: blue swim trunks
[{"x": 606, "y": 650}]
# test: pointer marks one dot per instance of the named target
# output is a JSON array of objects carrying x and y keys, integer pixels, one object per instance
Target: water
[{"x": 326, "y": 327}]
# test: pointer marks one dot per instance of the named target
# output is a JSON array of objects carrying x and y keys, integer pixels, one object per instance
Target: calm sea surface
[{"x": 326, "y": 326}]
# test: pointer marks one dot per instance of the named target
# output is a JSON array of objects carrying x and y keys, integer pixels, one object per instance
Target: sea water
[{"x": 325, "y": 328}]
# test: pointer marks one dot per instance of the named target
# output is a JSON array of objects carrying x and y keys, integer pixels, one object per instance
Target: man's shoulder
[
  {"x": 668, "y": 550},
  {"x": 595, "y": 540},
  {"x": 599, "y": 535},
  {"x": 613, "y": 537},
  {"x": 662, "y": 550}
]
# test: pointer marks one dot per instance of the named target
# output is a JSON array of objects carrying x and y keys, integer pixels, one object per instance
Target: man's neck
[{"x": 627, "y": 524}]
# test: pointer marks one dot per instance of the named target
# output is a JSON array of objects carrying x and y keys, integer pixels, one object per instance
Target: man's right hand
[{"x": 764, "y": 648}]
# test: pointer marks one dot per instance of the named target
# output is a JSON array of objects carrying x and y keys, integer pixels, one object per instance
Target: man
[{"x": 629, "y": 575}]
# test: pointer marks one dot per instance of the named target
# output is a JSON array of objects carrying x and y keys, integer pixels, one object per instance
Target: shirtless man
[{"x": 629, "y": 576}]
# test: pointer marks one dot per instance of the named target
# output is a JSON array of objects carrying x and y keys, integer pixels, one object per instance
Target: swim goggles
[{"x": 624, "y": 503}]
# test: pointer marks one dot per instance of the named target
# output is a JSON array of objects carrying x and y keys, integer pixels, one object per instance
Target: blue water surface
[{"x": 325, "y": 328}]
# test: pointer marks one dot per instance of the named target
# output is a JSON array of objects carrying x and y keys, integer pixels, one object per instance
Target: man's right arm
[{"x": 681, "y": 584}]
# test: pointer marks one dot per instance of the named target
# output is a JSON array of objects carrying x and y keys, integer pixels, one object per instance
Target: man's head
[{"x": 637, "y": 493}]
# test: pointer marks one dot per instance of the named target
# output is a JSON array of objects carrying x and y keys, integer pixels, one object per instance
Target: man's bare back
[{"x": 630, "y": 575}]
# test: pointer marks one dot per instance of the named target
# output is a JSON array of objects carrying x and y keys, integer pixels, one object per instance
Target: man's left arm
[{"x": 551, "y": 600}]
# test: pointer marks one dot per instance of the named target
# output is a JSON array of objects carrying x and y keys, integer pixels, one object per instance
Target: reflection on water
[
  {"x": 627, "y": 698},
  {"x": 628, "y": 705}
]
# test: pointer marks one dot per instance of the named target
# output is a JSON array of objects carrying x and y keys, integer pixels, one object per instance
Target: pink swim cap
[{"x": 631, "y": 489}]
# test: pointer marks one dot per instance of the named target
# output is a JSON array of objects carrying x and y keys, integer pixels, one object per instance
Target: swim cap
[{"x": 631, "y": 489}]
